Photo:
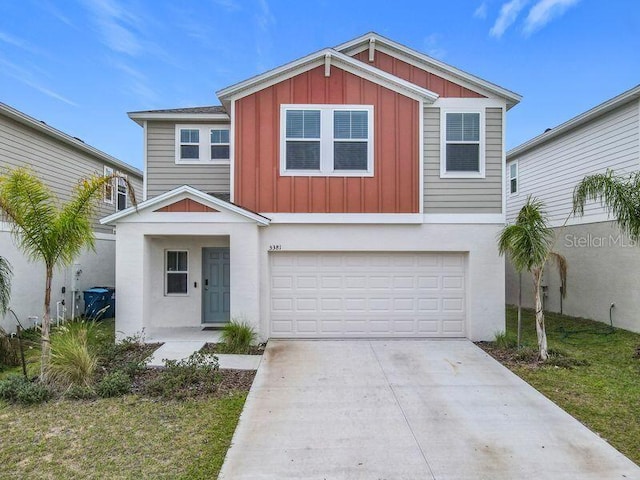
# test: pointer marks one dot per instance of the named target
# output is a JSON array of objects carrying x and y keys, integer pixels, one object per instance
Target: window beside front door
[{"x": 176, "y": 272}]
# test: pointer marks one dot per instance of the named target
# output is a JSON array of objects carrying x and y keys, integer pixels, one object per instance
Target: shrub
[
  {"x": 9, "y": 350},
  {"x": 79, "y": 392},
  {"x": 74, "y": 354},
  {"x": 238, "y": 336},
  {"x": 17, "y": 389},
  {"x": 114, "y": 384},
  {"x": 504, "y": 340},
  {"x": 180, "y": 378}
]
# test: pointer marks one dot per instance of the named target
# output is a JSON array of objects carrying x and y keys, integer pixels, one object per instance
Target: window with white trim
[
  {"x": 513, "y": 178},
  {"x": 462, "y": 144},
  {"x": 107, "y": 196},
  {"x": 198, "y": 144},
  {"x": 121, "y": 191},
  {"x": 176, "y": 272},
  {"x": 326, "y": 140}
]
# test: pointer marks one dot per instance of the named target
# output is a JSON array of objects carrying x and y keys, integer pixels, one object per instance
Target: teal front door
[{"x": 216, "y": 292}]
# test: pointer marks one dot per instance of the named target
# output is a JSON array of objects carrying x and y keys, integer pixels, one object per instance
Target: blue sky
[{"x": 80, "y": 65}]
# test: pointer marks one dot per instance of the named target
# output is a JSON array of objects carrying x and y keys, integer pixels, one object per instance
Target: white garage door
[{"x": 352, "y": 294}]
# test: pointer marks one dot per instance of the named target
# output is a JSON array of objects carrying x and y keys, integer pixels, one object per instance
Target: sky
[{"x": 81, "y": 65}]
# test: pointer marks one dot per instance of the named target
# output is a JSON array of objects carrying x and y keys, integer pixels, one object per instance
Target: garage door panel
[{"x": 367, "y": 294}]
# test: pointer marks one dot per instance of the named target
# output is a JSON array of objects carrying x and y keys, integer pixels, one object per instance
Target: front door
[{"x": 216, "y": 285}]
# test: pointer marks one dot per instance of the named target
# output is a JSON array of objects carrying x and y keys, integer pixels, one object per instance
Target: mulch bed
[
  {"x": 220, "y": 348},
  {"x": 229, "y": 381},
  {"x": 528, "y": 357}
]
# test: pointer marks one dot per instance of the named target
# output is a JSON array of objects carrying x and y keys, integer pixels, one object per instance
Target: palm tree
[
  {"x": 48, "y": 231},
  {"x": 529, "y": 243},
  {"x": 5, "y": 285},
  {"x": 619, "y": 194}
]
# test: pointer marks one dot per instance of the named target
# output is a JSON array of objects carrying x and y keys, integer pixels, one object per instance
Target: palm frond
[
  {"x": 619, "y": 195},
  {"x": 5, "y": 284}
]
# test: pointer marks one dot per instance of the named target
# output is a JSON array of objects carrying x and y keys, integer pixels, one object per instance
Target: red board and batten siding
[
  {"x": 393, "y": 188},
  {"x": 417, "y": 76}
]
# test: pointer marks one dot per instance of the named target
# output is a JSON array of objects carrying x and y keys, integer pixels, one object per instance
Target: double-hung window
[
  {"x": 513, "y": 178},
  {"x": 121, "y": 192},
  {"x": 326, "y": 140},
  {"x": 176, "y": 272},
  {"x": 198, "y": 144},
  {"x": 462, "y": 144}
]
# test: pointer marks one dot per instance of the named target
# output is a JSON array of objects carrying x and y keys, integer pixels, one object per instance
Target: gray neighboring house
[
  {"x": 60, "y": 160},
  {"x": 603, "y": 263}
]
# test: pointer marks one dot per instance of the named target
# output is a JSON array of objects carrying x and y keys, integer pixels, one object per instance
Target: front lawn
[{"x": 594, "y": 373}]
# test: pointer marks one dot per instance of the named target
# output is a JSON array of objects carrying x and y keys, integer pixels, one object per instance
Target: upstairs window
[
  {"x": 219, "y": 144},
  {"x": 462, "y": 145},
  {"x": 107, "y": 196},
  {"x": 177, "y": 272},
  {"x": 198, "y": 144},
  {"x": 327, "y": 140},
  {"x": 513, "y": 178}
]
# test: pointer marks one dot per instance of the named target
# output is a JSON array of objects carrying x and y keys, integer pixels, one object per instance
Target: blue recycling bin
[{"x": 98, "y": 298}]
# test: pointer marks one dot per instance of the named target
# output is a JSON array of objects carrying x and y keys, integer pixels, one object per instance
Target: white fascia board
[
  {"x": 139, "y": 118},
  {"x": 185, "y": 191},
  {"x": 427, "y": 63},
  {"x": 348, "y": 218},
  {"x": 68, "y": 139},
  {"x": 309, "y": 62},
  {"x": 595, "y": 112}
]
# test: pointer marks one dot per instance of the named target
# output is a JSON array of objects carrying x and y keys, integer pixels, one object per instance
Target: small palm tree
[
  {"x": 49, "y": 232},
  {"x": 619, "y": 194},
  {"x": 5, "y": 285},
  {"x": 529, "y": 243}
]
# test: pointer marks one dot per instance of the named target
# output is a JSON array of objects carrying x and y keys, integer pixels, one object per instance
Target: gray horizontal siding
[
  {"x": 463, "y": 195},
  {"x": 163, "y": 174},
  {"x": 552, "y": 170},
  {"x": 59, "y": 165}
]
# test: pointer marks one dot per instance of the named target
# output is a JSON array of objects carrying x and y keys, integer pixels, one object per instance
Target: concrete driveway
[{"x": 406, "y": 409}]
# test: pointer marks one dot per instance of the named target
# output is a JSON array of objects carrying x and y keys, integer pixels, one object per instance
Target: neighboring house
[
  {"x": 603, "y": 263},
  {"x": 60, "y": 161},
  {"x": 355, "y": 192}
]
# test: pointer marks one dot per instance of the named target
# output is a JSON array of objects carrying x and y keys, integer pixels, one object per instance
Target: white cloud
[
  {"x": 18, "y": 42},
  {"x": 432, "y": 46},
  {"x": 264, "y": 20},
  {"x": 544, "y": 11},
  {"x": 481, "y": 11},
  {"x": 508, "y": 14},
  {"x": 117, "y": 26}
]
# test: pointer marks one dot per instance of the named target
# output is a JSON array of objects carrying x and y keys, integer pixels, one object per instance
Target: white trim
[
  {"x": 444, "y": 173},
  {"x": 144, "y": 160},
  {"x": 575, "y": 122},
  {"x": 204, "y": 144},
  {"x": 504, "y": 160},
  {"x": 166, "y": 272},
  {"x": 465, "y": 218},
  {"x": 107, "y": 171},
  {"x": 139, "y": 117},
  {"x": 421, "y": 157},
  {"x": 348, "y": 218},
  {"x": 422, "y": 61},
  {"x": 186, "y": 191},
  {"x": 327, "y": 65},
  {"x": 472, "y": 103},
  {"x": 232, "y": 151},
  {"x": 327, "y": 141},
  {"x": 67, "y": 139},
  {"x": 316, "y": 59}
]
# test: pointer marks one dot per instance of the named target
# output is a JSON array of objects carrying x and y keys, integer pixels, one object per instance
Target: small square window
[{"x": 220, "y": 144}]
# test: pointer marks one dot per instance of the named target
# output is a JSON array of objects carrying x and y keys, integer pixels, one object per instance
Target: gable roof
[
  {"x": 75, "y": 142},
  {"x": 597, "y": 111},
  {"x": 334, "y": 57},
  {"x": 186, "y": 191},
  {"x": 431, "y": 64},
  {"x": 213, "y": 112}
]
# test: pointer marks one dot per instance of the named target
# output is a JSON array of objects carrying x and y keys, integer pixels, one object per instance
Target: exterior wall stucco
[{"x": 603, "y": 268}]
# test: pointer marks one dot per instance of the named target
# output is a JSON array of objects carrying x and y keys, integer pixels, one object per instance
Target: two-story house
[
  {"x": 354, "y": 192},
  {"x": 603, "y": 263},
  {"x": 60, "y": 161}
]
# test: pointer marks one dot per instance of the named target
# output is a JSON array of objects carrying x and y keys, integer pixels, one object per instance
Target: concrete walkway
[{"x": 406, "y": 410}]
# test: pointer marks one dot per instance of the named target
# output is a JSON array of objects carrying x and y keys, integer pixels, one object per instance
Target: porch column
[
  {"x": 130, "y": 272},
  {"x": 245, "y": 274}
]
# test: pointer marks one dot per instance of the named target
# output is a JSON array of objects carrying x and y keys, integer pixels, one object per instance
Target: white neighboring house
[
  {"x": 354, "y": 192},
  {"x": 60, "y": 160},
  {"x": 603, "y": 263}
]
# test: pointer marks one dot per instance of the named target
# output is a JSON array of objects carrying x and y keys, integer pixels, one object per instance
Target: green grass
[
  {"x": 123, "y": 438},
  {"x": 604, "y": 394}
]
